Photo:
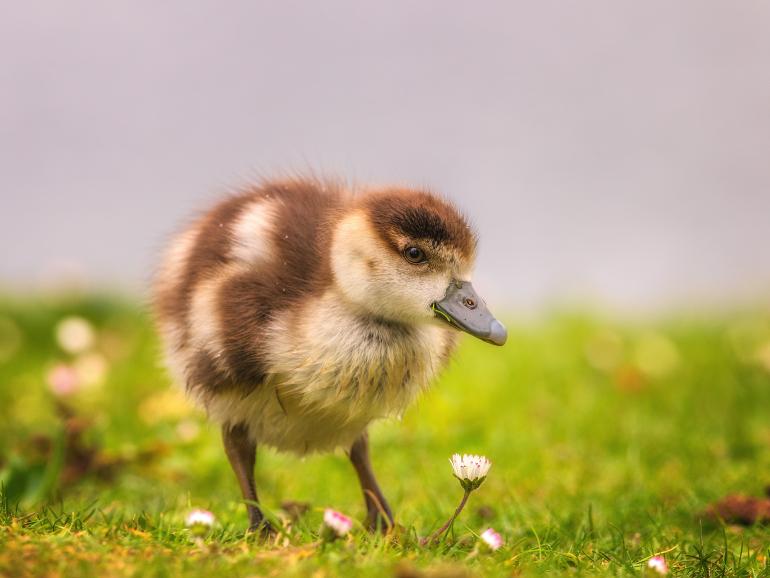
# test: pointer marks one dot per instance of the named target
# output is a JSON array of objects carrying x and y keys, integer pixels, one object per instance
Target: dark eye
[{"x": 414, "y": 255}]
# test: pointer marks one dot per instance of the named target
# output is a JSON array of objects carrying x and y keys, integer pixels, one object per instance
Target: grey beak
[{"x": 462, "y": 308}]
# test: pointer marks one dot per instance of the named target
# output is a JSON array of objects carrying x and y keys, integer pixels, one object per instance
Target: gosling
[{"x": 297, "y": 312}]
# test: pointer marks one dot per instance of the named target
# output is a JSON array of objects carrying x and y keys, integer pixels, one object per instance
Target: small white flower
[
  {"x": 492, "y": 539},
  {"x": 75, "y": 335},
  {"x": 199, "y": 521},
  {"x": 338, "y": 523},
  {"x": 658, "y": 564},
  {"x": 470, "y": 470}
]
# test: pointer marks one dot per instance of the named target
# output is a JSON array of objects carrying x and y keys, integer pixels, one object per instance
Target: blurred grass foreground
[{"x": 608, "y": 441}]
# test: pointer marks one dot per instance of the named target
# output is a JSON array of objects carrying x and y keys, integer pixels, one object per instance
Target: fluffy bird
[{"x": 296, "y": 312}]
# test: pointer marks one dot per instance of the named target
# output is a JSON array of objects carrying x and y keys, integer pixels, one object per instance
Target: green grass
[{"x": 607, "y": 439}]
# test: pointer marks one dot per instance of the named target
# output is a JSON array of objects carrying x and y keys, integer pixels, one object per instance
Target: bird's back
[{"x": 249, "y": 258}]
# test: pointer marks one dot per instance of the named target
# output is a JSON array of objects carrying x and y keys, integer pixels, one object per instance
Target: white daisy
[
  {"x": 200, "y": 520},
  {"x": 338, "y": 523},
  {"x": 492, "y": 539},
  {"x": 75, "y": 335},
  {"x": 471, "y": 470},
  {"x": 658, "y": 564}
]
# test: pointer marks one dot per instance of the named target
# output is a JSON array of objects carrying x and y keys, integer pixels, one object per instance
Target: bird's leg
[
  {"x": 378, "y": 514},
  {"x": 242, "y": 453}
]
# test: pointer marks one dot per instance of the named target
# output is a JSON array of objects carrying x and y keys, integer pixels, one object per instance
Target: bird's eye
[{"x": 415, "y": 255}]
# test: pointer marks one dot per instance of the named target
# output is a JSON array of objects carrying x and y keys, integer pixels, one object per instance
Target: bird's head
[{"x": 407, "y": 256}]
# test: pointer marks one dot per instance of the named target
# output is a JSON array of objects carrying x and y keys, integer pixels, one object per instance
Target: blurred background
[
  {"x": 612, "y": 154},
  {"x": 609, "y": 152}
]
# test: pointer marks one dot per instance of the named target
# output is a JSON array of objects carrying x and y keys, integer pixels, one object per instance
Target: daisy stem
[{"x": 435, "y": 535}]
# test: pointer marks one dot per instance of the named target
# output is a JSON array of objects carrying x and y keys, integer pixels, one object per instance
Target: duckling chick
[{"x": 297, "y": 312}]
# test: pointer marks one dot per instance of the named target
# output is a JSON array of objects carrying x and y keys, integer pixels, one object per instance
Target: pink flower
[
  {"x": 63, "y": 380},
  {"x": 200, "y": 522},
  {"x": 338, "y": 523},
  {"x": 658, "y": 564},
  {"x": 492, "y": 539}
]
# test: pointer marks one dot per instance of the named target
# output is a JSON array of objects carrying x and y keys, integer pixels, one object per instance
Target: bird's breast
[
  {"x": 329, "y": 373},
  {"x": 325, "y": 356}
]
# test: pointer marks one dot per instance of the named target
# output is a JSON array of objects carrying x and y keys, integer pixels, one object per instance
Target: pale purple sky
[{"x": 611, "y": 150}]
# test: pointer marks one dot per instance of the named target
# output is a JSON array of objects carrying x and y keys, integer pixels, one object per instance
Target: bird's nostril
[{"x": 469, "y": 303}]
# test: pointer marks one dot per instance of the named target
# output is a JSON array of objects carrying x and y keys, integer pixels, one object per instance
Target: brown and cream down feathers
[{"x": 298, "y": 311}]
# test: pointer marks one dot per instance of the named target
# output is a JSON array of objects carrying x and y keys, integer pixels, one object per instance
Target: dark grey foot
[
  {"x": 262, "y": 528},
  {"x": 378, "y": 514},
  {"x": 376, "y": 521},
  {"x": 241, "y": 451}
]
